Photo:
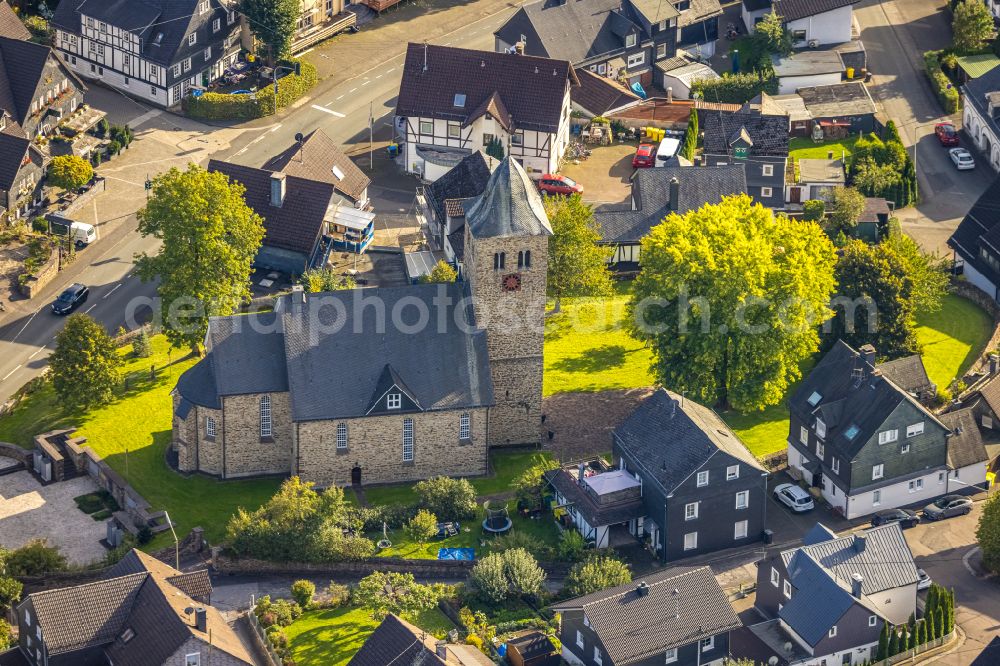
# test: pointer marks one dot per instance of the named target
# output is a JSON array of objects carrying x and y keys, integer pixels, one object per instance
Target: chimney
[
  {"x": 642, "y": 589},
  {"x": 441, "y": 650},
  {"x": 579, "y": 474},
  {"x": 868, "y": 354},
  {"x": 670, "y": 94},
  {"x": 277, "y": 189},
  {"x": 994, "y": 363},
  {"x": 519, "y": 48},
  {"x": 860, "y": 541},
  {"x": 675, "y": 193},
  {"x": 857, "y": 580},
  {"x": 298, "y": 293},
  {"x": 200, "y": 619}
]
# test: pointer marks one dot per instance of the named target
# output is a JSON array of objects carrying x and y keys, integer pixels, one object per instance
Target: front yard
[
  {"x": 801, "y": 148},
  {"x": 133, "y": 433},
  {"x": 952, "y": 338},
  {"x": 332, "y": 637}
]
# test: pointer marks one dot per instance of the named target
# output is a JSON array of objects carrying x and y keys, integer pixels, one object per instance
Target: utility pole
[{"x": 371, "y": 135}]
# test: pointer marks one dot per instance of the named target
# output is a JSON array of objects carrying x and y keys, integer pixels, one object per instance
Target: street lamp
[{"x": 295, "y": 68}]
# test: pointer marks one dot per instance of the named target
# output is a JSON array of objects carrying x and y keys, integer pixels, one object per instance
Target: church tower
[{"x": 506, "y": 259}]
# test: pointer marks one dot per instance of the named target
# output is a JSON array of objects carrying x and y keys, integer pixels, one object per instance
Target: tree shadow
[{"x": 594, "y": 360}]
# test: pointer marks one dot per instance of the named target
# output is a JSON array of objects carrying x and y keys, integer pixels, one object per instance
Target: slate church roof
[
  {"x": 674, "y": 437},
  {"x": 509, "y": 206},
  {"x": 466, "y": 179},
  {"x": 697, "y": 185},
  {"x": 634, "y": 626}
]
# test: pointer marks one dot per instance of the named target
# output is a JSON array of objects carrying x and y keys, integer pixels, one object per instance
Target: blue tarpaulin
[
  {"x": 456, "y": 553},
  {"x": 637, "y": 89}
]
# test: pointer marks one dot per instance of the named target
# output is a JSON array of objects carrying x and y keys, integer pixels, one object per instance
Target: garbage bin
[{"x": 768, "y": 537}]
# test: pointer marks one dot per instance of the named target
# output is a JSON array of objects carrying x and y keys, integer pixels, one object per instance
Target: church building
[{"x": 382, "y": 385}]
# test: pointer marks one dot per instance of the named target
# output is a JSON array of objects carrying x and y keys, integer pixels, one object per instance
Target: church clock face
[{"x": 511, "y": 282}]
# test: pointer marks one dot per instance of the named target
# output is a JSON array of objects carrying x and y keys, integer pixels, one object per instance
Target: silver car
[
  {"x": 962, "y": 159},
  {"x": 794, "y": 497},
  {"x": 948, "y": 506}
]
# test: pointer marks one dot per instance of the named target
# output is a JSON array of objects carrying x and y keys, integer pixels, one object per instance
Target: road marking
[
  {"x": 275, "y": 128},
  {"x": 26, "y": 324},
  {"x": 379, "y": 76},
  {"x": 90, "y": 308},
  {"x": 149, "y": 115},
  {"x": 390, "y": 71},
  {"x": 365, "y": 83},
  {"x": 965, "y": 558},
  {"x": 351, "y": 90},
  {"x": 36, "y": 352},
  {"x": 330, "y": 111},
  {"x": 242, "y": 150},
  {"x": 112, "y": 291},
  {"x": 11, "y": 372},
  {"x": 340, "y": 97}
]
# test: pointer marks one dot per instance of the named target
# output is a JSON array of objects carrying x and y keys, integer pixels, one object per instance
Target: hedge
[
  {"x": 737, "y": 88},
  {"x": 221, "y": 106},
  {"x": 946, "y": 93}
]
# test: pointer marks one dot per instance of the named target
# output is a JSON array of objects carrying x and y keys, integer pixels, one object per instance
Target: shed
[
  {"x": 974, "y": 66},
  {"x": 680, "y": 79},
  {"x": 800, "y": 120},
  {"x": 840, "y": 108},
  {"x": 532, "y": 649},
  {"x": 804, "y": 69}
]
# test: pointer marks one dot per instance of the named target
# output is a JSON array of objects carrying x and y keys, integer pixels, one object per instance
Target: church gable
[{"x": 391, "y": 395}]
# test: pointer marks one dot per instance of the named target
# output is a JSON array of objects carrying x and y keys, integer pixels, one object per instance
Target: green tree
[
  {"x": 35, "y": 558},
  {"x": 932, "y": 630},
  {"x": 596, "y": 573},
  {"x": 928, "y": 272},
  {"x": 69, "y": 172},
  {"x": 489, "y": 578},
  {"x": 447, "y": 498},
  {"x": 904, "y": 639},
  {"x": 508, "y": 574},
  {"x": 875, "y": 300},
  {"x": 495, "y": 148},
  {"x": 384, "y": 592},
  {"x": 893, "y": 642},
  {"x": 210, "y": 236},
  {"x": 729, "y": 298},
  {"x": 949, "y": 613},
  {"x": 422, "y": 527},
  {"x": 813, "y": 210},
  {"x": 691, "y": 135},
  {"x": 971, "y": 26},
  {"x": 773, "y": 35},
  {"x": 442, "y": 272},
  {"x": 526, "y": 578},
  {"x": 939, "y": 622},
  {"x": 273, "y": 22},
  {"x": 882, "y": 652},
  {"x": 528, "y": 486},
  {"x": 931, "y": 602},
  {"x": 315, "y": 280},
  {"x": 578, "y": 264},
  {"x": 302, "y": 591},
  {"x": 892, "y": 132},
  {"x": 85, "y": 366},
  {"x": 921, "y": 632},
  {"x": 10, "y": 593},
  {"x": 847, "y": 206},
  {"x": 141, "y": 347},
  {"x": 6, "y": 636}
]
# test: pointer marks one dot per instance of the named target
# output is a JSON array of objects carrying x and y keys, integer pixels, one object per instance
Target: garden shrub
[
  {"x": 946, "y": 93},
  {"x": 447, "y": 498},
  {"x": 736, "y": 88},
  {"x": 35, "y": 558},
  {"x": 303, "y": 591},
  {"x": 337, "y": 595},
  {"x": 40, "y": 224},
  {"x": 141, "y": 347},
  {"x": 813, "y": 210},
  {"x": 515, "y": 539},
  {"x": 223, "y": 106},
  {"x": 571, "y": 546},
  {"x": 596, "y": 573},
  {"x": 280, "y": 612},
  {"x": 422, "y": 527},
  {"x": 507, "y": 575}
]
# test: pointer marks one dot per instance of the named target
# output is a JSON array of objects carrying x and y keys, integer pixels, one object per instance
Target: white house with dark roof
[
  {"x": 673, "y": 616},
  {"x": 453, "y": 102},
  {"x": 156, "y": 50},
  {"x": 829, "y": 598},
  {"x": 811, "y": 22},
  {"x": 980, "y": 110},
  {"x": 860, "y": 434},
  {"x": 356, "y": 386}
]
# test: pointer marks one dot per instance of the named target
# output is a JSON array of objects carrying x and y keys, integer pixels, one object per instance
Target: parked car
[
  {"x": 923, "y": 580},
  {"x": 74, "y": 296},
  {"x": 794, "y": 497},
  {"x": 645, "y": 156},
  {"x": 554, "y": 184},
  {"x": 962, "y": 159},
  {"x": 948, "y": 506},
  {"x": 946, "y": 134},
  {"x": 904, "y": 517}
]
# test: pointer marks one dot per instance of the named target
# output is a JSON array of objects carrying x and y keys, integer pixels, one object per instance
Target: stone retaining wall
[
  {"x": 14, "y": 451},
  {"x": 37, "y": 281},
  {"x": 427, "y": 569}
]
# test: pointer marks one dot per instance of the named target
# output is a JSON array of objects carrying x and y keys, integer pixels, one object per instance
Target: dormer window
[
  {"x": 629, "y": 41},
  {"x": 820, "y": 428},
  {"x": 460, "y": 100},
  {"x": 394, "y": 401},
  {"x": 682, "y": 5},
  {"x": 203, "y": 6}
]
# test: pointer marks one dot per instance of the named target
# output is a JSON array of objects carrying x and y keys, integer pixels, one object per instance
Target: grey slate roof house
[
  {"x": 395, "y": 641},
  {"x": 860, "y": 434},
  {"x": 682, "y": 481},
  {"x": 620, "y": 40},
  {"x": 657, "y": 192},
  {"x": 673, "y": 616},
  {"x": 760, "y": 142},
  {"x": 455, "y": 101},
  {"x": 976, "y": 241},
  {"x": 318, "y": 157},
  {"x": 446, "y": 195},
  {"x": 392, "y": 383},
  {"x": 597, "y": 95},
  {"x": 37, "y": 90},
  {"x": 141, "y": 613},
  {"x": 156, "y": 50},
  {"x": 830, "y": 597}
]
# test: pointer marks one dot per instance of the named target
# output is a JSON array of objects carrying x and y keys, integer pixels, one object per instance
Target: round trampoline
[{"x": 497, "y": 520}]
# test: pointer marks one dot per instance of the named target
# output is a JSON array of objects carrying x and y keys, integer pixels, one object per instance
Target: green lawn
[
  {"x": 952, "y": 338},
  {"x": 805, "y": 148},
  {"x": 332, "y": 637},
  {"x": 587, "y": 348},
  {"x": 139, "y": 422}
]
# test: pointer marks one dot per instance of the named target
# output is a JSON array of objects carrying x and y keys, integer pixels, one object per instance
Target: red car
[
  {"x": 946, "y": 134},
  {"x": 554, "y": 184},
  {"x": 645, "y": 156}
]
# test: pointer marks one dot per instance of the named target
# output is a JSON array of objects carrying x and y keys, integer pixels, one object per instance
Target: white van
[
  {"x": 668, "y": 148},
  {"x": 82, "y": 234}
]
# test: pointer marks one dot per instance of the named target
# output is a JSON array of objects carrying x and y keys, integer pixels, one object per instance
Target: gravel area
[
  {"x": 581, "y": 423},
  {"x": 29, "y": 511}
]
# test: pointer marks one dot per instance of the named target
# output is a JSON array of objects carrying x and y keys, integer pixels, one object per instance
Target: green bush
[
  {"x": 813, "y": 210},
  {"x": 946, "y": 93},
  {"x": 447, "y": 498},
  {"x": 34, "y": 559},
  {"x": 222, "y": 106},
  {"x": 303, "y": 591},
  {"x": 736, "y": 88},
  {"x": 103, "y": 514},
  {"x": 337, "y": 595},
  {"x": 141, "y": 347}
]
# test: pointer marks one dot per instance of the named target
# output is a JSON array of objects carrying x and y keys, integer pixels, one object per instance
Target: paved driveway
[{"x": 29, "y": 511}]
